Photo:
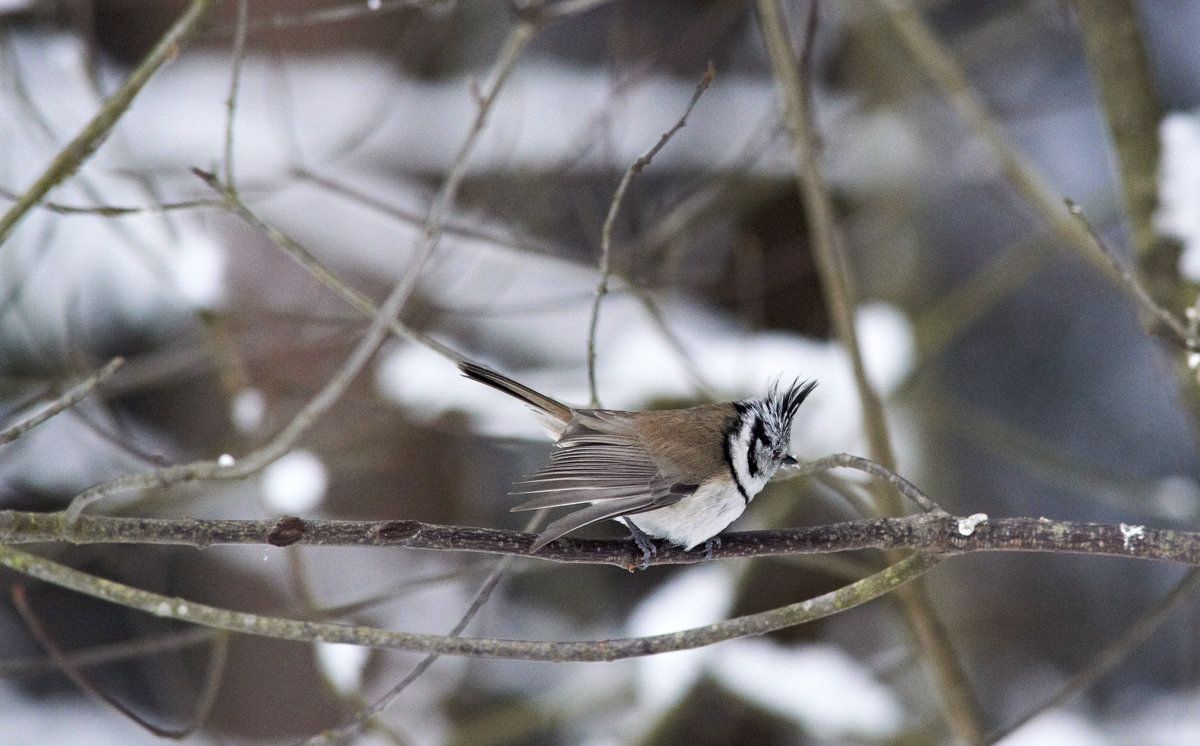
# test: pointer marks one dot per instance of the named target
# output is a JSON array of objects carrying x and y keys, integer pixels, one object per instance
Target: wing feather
[
  {"x": 598, "y": 512},
  {"x": 564, "y": 498},
  {"x": 600, "y": 459}
]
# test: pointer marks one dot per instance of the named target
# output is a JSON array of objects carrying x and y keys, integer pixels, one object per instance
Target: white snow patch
[
  {"x": 1178, "y": 212},
  {"x": 885, "y": 337},
  {"x": 199, "y": 269},
  {"x": 702, "y": 595},
  {"x": 342, "y": 665},
  {"x": 1060, "y": 729},
  {"x": 832, "y": 695},
  {"x": 1132, "y": 533},
  {"x": 247, "y": 410},
  {"x": 966, "y": 526},
  {"x": 1176, "y": 497},
  {"x": 296, "y": 483}
]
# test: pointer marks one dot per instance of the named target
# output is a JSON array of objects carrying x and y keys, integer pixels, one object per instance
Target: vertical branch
[
  {"x": 235, "y": 83},
  {"x": 936, "y": 61},
  {"x": 839, "y": 291},
  {"x": 614, "y": 207},
  {"x": 957, "y": 700},
  {"x": 1112, "y": 40}
]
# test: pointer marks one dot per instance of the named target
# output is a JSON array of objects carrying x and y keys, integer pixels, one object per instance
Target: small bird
[{"x": 677, "y": 474}]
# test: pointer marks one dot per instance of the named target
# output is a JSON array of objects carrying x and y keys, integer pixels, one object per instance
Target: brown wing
[
  {"x": 600, "y": 456},
  {"x": 603, "y": 458}
]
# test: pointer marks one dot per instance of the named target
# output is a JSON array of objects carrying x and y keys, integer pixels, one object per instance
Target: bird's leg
[
  {"x": 709, "y": 543},
  {"x": 643, "y": 541}
]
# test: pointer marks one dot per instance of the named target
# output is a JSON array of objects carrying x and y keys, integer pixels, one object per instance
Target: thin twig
[
  {"x": 11, "y": 668},
  {"x": 460, "y": 228},
  {"x": 613, "y": 208},
  {"x": 335, "y": 14},
  {"x": 116, "y": 437},
  {"x": 70, "y": 667},
  {"x": 235, "y": 84},
  {"x": 482, "y": 596},
  {"x": 72, "y": 397},
  {"x": 1131, "y": 284},
  {"x": 936, "y": 61},
  {"x": 317, "y": 269},
  {"x": 95, "y": 131},
  {"x": 109, "y": 211},
  {"x": 1111, "y": 656},
  {"x": 846, "y": 460},
  {"x": 659, "y": 321}
]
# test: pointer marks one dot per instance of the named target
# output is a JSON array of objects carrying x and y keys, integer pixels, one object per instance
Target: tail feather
[{"x": 554, "y": 415}]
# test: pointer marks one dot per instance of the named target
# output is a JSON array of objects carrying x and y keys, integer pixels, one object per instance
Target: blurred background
[{"x": 1018, "y": 378}]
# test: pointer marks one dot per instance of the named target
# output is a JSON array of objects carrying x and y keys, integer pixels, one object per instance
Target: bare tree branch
[
  {"x": 1132, "y": 286},
  {"x": 848, "y": 461},
  {"x": 854, "y": 594},
  {"x": 794, "y": 81},
  {"x": 365, "y": 349},
  {"x": 70, "y": 667},
  {"x": 924, "y": 532},
  {"x": 936, "y": 61},
  {"x": 93, "y": 134},
  {"x": 76, "y": 394},
  {"x": 634, "y": 169}
]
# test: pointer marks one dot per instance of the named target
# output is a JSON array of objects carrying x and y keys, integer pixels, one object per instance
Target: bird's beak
[{"x": 790, "y": 460}]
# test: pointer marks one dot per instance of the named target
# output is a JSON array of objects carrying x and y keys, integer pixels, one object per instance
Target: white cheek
[
  {"x": 741, "y": 463},
  {"x": 755, "y": 484},
  {"x": 740, "y": 457}
]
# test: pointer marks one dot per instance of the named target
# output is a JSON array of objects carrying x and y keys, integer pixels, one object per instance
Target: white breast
[{"x": 696, "y": 518}]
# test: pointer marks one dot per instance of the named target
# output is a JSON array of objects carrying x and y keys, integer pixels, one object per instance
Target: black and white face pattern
[{"x": 757, "y": 445}]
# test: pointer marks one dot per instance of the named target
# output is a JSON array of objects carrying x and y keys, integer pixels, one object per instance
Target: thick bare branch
[{"x": 924, "y": 532}]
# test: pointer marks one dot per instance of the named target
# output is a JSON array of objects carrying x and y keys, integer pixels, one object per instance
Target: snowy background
[{"x": 1017, "y": 378}]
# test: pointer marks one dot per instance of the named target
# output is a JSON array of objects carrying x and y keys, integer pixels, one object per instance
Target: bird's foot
[
  {"x": 643, "y": 541},
  {"x": 709, "y": 545}
]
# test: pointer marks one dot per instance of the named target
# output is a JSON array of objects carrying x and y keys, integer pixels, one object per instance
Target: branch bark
[{"x": 926, "y": 532}]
